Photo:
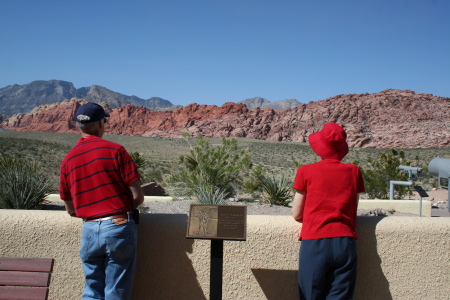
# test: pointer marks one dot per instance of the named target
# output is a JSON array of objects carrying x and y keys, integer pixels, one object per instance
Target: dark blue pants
[{"x": 327, "y": 268}]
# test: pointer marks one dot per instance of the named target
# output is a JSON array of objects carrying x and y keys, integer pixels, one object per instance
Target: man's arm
[
  {"x": 69, "y": 208},
  {"x": 298, "y": 205},
  {"x": 137, "y": 193}
]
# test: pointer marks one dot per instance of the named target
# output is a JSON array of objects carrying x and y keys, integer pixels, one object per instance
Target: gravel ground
[
  {"x": 438, "y": 198},
  {"x": 182, "y": 207},
  {"x": 253, "y": 208}
]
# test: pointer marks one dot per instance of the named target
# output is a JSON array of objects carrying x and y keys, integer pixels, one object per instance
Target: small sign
[
  {"x": 421, "y": 191},
  {"x": 221, "y": 222}
]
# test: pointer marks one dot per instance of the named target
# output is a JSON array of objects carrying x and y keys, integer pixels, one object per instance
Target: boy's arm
[{"x": 298, "y": 206}]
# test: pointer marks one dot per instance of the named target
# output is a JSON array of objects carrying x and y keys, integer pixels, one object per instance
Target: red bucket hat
[{"x": 330, "y": 142}]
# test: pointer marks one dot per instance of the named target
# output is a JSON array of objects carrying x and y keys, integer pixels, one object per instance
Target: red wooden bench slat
[
  {"x": 24, "y": 278},
  {"x": 20, "y": 293},
  {"x": 26, "y": 264}
]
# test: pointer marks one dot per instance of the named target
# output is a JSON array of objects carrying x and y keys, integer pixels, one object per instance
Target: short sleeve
[
  {"x": 360, "y": 188},
  {"x": 128, "y": 169},
  {"x": 300, "y": 182},
  {"x": 64, "y": 191}
]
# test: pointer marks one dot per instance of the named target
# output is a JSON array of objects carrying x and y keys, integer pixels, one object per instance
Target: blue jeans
[{"x": 108, "y": 255}]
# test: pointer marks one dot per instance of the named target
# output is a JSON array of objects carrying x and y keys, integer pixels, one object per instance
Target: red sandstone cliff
[{"x": 391, "y": 118}]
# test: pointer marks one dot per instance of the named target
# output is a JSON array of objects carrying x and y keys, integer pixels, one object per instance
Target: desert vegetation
[
  {"x": 24, "y": 184},
  {"x": 210, "y": 173},
  {"x": 262, "y": 165}
]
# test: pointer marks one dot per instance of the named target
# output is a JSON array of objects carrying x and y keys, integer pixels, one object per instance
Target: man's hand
[
  {"x": 69, "y": 208},
  {"x": 137, "y": 193}
]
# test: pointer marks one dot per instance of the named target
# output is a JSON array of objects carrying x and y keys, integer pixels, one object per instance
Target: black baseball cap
[{"x": 90, "y": 112}]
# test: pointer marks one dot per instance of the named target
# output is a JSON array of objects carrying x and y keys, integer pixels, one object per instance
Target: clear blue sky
[{"x": 215, "y": 51}]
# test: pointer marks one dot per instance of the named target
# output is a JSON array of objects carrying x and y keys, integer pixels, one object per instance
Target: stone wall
[{"x": 399, "y": 257}]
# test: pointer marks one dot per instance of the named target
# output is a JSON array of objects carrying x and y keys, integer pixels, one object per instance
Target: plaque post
[
  {"x": 422, "y": 193},
  {"x": 216, "y": 270},
  {"x": 217, "y": 223}
]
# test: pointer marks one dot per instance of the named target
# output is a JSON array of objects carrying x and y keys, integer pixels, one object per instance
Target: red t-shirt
[
  {"x": 95, "y": 175},
  {"x": 330, "y": 203}
]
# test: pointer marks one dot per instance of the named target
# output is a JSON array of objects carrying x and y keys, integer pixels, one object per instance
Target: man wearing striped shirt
[{"x": 99, "y": 182}]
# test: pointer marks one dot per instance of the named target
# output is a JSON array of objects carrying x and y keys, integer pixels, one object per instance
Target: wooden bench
[{"x": 25, "y": 278}]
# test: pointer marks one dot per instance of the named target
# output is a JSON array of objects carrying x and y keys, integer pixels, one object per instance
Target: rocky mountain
[
  {"x": 391, "y": 118},
  {"x": 258, "y": 102},
  {"x": 23, "y": 98}
]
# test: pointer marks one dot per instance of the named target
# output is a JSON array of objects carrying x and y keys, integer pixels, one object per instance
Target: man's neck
[{"x": 86, "y": 135}]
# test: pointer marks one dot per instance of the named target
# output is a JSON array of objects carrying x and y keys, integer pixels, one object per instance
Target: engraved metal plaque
[{"x": 222, "y": 222}]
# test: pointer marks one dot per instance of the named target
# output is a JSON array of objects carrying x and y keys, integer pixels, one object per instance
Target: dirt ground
[{"x": 438, "y": 198}]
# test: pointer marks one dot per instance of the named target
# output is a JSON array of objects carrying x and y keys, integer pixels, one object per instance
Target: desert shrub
[
  {"x": 210, "y": 195},
  {"x": 433, "y": 183},
  {"x": 210, "y": 169},
  {"x": 23, "y": 184},
  {"x": 156, "y": 170},
  {"x": 252, "y": 183},
  {"x": 35, "y": 150},
  {"x": 384, "y": 170},
  {"x": 139, "y": 160},
  {"x": 150, "y": 170},
  {"x": 276, "y": 190}
]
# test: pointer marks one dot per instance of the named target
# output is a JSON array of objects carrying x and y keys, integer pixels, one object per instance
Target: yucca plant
[
  {"x": 252, "y": 183},
  {"x": 210, "y": 195},
  {"x": 276, "y": 190},
  {"x": 23, "y": 184},
  {"x": 140, "y": 161},
  {"x": 210, "y": 169}
]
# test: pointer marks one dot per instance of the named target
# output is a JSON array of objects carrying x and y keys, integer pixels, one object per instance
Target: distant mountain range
[
  {"x": 23, "y": 98},
  {"x": 253, "y": 103}
]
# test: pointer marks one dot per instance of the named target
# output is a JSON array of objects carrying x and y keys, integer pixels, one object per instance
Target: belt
[{"x": 124, "y": 216}]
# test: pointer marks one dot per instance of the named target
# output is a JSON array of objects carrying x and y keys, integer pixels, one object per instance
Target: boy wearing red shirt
[{"x": 326, "y": 202}]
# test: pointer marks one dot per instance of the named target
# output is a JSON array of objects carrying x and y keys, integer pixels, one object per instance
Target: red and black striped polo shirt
[{"x": 95, "y": 175}]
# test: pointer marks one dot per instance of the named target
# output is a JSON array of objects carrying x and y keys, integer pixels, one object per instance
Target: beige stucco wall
[
  {"x": 399, "y": 257},
  {"x": 404, "y": 206}
]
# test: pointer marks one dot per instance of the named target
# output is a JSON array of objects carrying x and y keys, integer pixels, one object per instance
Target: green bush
[
  {"x": 151, "y": 170},
  {"x": 276, "y": 190},
  {"x": 139, "y": 160},
  {"x": 210, "y": 169},
  {"x": 377, "y": 180},
  {"x": 252, "y": 184},
  {"x": 23, "y": 184}
]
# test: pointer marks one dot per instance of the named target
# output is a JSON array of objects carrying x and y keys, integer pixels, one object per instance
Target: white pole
[
  {"x": 420, "y": 207},
  {"x": 391, "y": 186}
]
